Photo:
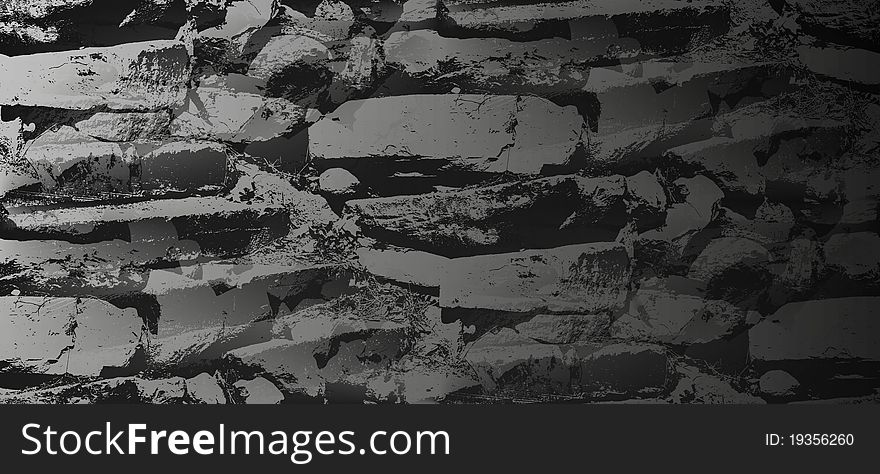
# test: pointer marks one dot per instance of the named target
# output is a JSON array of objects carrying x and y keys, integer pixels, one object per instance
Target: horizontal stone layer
[
  {"x": 542, "y": 212},
  {"x": 488, "y": 134},
  {"x": 135, "y": 76}
]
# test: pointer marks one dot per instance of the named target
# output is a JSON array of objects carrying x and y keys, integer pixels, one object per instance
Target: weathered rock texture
[{"x": 455, "y": 201}]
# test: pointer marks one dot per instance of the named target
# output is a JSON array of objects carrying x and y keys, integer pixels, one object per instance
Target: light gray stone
[
  {"x": 259, "y": 391},
  {"x": 56, "y": 336},
  {"x": 490, "y": 134},
  {"x": 135, "y": 76},
  {"x": 584, "y": 279}
]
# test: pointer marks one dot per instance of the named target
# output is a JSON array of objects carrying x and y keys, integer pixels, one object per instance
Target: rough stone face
[
  {"x": 852, "y": 65},
  {"x": 778, "y": 383},
  {"x": 67, "y": 161},
  {"x": 729, "y": 163},
  {"x": 837, "y": 328},
  {"x": 526, "y": 20},
  {"x": 701, "y": 196},
  {"x": 35, "y": 26},
  {"x": 64, "y": 269},
  {"x": 856, "y": 255},
  {"x": 14, "y": 171},
  {"x": 243, "y": 17},
  {"x": 137, "y": 76},
  {"x": 56, "y": 336},
  {"x": 662, "y": 317},
  {"x": 115, "y": 390},
  {"x": 803, "y": 266},
  {"x": 489, "y": 134},
  {"x": 625, "y": 371},
  {"x": 413, "y": 267},
  {"x": 514, "y": 215},
  {"x": 285, "y": 51},
  {"x": 188, "y": 216},
  {"x": 663, "y": 96},
  {"x": 338, "y": 182},
  {"x": 565, "y": 329},
  {"x": 124, "y": 126},
  {"x": 514, "y": 367},
  {"x": 545, "y": 67},
  {"x": 176, "y": 349},
  {"x": 320, "y": 348},
  {"x": 772, "y": 224},
  {"x": 417, "y": 11},
  {"x": 731, "y": 266},
  {"x": 847, "y": 21},
  {"x": 417, "y": 384},
  {"x": 325, "y": 29},
  {"x": 217, "y": 113},
  {"x": 421, "y": 201},
  {"x": 583, "y": 279},
  {"x": 695, "y": 386},
  {"x": 204, "y": 388},
  {"x": 234, "y": 298},
  {"x": 365, "y": 63},
  {"x": 506, "y": 361},
  {"x": 259, "y": 391}
]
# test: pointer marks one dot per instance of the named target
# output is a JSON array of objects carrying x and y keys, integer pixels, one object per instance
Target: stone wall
[{"x": 263, "y": 201}]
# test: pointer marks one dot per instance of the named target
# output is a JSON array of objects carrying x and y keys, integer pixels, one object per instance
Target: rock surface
[
  {"x": 576, "y": 279},
  {"x": 488, "y": 134},
  {"x": 457, "y": 201},
  {"x": 141, "y": 76},
  {"x": 59, "y": 336}
]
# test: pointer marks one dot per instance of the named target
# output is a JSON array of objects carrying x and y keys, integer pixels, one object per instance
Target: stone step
[
  {"x": 655, "y": 23},
  {"x": 520, "y": 214},
  {"x": 135, "y": 76},
  {"x": 467, "y": 134}
]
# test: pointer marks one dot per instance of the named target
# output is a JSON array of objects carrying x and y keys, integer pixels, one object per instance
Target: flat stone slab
[
  {"x": 202, "y": 219},
  {"x": 514, "y": 215},
  {"x": 490, "y": 134},
  {"x": 583, "y": 279},
  {"x": 135, "y": 76},
  {"x": 832, "y": 329},
  {"x": 56, "y": 336}
]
